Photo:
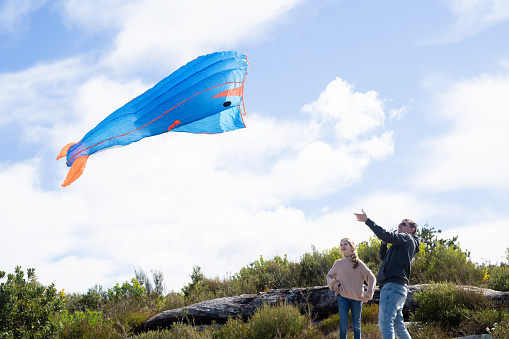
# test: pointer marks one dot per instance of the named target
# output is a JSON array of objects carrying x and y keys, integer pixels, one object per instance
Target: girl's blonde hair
[{"x": 355, "y": 256}]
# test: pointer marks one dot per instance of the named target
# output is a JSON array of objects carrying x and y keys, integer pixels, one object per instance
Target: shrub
[
  {"x": 279, "y": 321},
  {"x": 369, "y": 313},
  {"x": 371, "y": 331},
  {"x": 199, "y": 289},
  {"x": 186, "y": 331},
  {"x": 235, "y": 328},
  {"x": 27, "y": 308},
  {"x": 92, "y": 300},
  {"x": 369, "y": 253},
  {"x": 330, "y": 324},
  {"x": 177, "y": 330},
  {"x": 162, "y": 334},
  {"x": 170, "y": 301},
  {"x": 279, "y": 272},
  {"x": 447, "y": 305},
  {"x": 498, "y": 278},
  {"x": 443, "y": 260},
  {"x": 316, "y": 265},
  {"x": 445, "y": 263},
  {"x": 128, "y": 306},
  {"x": 262, "y": 275},
  {"x": 482, "y": 320},
  {"x": 88, "y": 324},
  {"x": 500, "y": 330},
  {"x": 427, "y": 331},
  {"x": 154, "y": 288}
]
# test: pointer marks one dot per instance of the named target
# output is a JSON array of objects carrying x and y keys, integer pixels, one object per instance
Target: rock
[{"x": 319, "y": 300}]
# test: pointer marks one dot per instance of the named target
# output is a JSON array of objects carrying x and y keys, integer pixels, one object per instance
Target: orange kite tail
[
  {"x": 76, "y": 170},
  {"x": 64, "y": 150}
]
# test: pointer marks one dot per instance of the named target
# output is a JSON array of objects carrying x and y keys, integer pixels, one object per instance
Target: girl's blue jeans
[{"x": 345, "y": 305}]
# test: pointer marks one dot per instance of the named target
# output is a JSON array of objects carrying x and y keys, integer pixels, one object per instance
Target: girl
[{"x": 346, "y": 278}]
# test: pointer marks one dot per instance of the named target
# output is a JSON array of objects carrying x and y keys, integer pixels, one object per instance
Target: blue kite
[{"x": 204, "y": 96}]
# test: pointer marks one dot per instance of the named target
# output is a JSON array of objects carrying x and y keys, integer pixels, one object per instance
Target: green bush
[
  {"x": 498, "y": 278},
  {"x": 162, "y": 334},
  {"x": 199, "y": 288},
  {"x": 369, "y": 331},
  {"x": 427, "y": 331},
  {"x": 92, "y": 300},
  {"x": 262, "y": 275},
  {"x": 447, "y": 305},
  {"x": 482, "y": 320},
  {"x": 170, "y": 301},
  {"x": 235, "y": 328},
  {"x": 177, "y": 330},
  {"x": 279, "y": 321},
  {"x": 316, "y": 265},
  {"x": 500, "y": 330},
  {"x": 128, "y": 306},
  {"x": 88, "y": 324},
  {"x": 369, "y": 313},
  {"x": 445, "y": 263},
  {"x": 186, "y": 331},
  {"x": 369, "y": 253},
  {"x": 27, "y": 308},
  {"x": 330, "y": 324}
]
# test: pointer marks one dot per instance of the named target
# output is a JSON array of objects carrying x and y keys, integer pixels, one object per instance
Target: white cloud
[
  {"x": 14, "y": 14},
  {"x": 352, "y": 113},
  {"x": 174, "y": 32},
  {"x": 40, "y": 95},
  {"x": 474, "y": 16},
  {"x": 484, "y": 246},
  {"x": 473, "y": 151},
  {"x": 398, "y": 113}
]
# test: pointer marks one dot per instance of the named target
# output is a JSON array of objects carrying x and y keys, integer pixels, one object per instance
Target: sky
[{"x": 398, "y": 108}]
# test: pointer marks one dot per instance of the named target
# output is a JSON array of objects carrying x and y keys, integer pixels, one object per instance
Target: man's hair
[{"x": 412, "y": 224}]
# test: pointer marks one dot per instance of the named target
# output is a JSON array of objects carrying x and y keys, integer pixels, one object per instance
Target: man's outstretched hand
[{"x": 362, "y": 217}]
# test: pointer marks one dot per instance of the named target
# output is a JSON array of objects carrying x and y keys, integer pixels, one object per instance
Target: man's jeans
[
  {"x": 344, "y": 305},
  {"x": 390, "y": 312}
]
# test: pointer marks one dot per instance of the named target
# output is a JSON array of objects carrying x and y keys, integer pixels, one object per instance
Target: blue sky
[{"x": 399, "y": 108}]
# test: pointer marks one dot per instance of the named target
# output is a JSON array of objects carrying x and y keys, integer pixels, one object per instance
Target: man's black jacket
[{"x": 397, "y": 260}]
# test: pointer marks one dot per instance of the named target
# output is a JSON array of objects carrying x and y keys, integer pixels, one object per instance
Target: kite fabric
[{"x": 203, "y": 96}]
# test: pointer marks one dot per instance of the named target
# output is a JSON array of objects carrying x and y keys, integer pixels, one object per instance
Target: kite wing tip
[
  {"x": 76, "y": 170},
  {"x": 65, "y": 149}
]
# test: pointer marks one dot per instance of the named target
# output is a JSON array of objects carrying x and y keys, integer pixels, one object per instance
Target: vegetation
[
  {"x": 26, "y": 307},
  {"x": 30, "y": 310},
  {"x": 447, "y": 305},
  {"x": 498, "y": 278},
  {"x": 88, "y": 324}
]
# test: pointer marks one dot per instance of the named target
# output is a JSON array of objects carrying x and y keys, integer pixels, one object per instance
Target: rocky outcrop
[{"x": 319, "y": 300}]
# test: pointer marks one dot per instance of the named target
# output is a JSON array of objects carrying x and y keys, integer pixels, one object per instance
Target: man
[{"x": 394, "y": 273}]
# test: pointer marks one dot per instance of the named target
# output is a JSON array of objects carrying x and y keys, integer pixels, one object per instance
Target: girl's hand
[
  {"x": 336, "y": 288},
  {"x": 365, "y": 299}
]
